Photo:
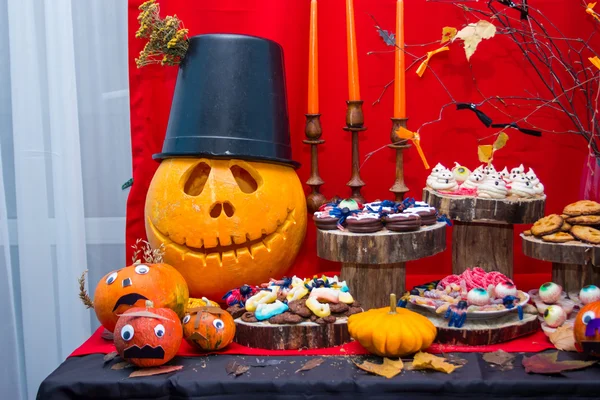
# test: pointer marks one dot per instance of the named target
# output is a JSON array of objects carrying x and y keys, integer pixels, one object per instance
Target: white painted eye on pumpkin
[
  {"x": 142, "y": 269},
  {"x": 127, "y": 332},
  {"x": 186, "y": 319},
  {"x": 217, "y": 323},
  {"x": 587, "y": 317},
  {"x": 111, "y": 278},
  {"x": 159, "y": 330}
]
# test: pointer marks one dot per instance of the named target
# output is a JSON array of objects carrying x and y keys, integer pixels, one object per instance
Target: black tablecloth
[{"x": 206, "y": 378}]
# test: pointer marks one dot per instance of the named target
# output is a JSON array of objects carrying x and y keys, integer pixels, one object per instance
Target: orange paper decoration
[{"x": 404, "y": 133}]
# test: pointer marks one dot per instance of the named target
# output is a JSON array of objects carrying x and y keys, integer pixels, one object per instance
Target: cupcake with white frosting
[
  {"x": 435, "y": 173},
  {"x": 492, "y": 189},
  {"x": 489, "y": 169},
  {"x": 474, "y": 180},
  {"x": 445, "y": 182},
  {"x": 504, "y": 174},
  {"x": 515, "y": 172}
]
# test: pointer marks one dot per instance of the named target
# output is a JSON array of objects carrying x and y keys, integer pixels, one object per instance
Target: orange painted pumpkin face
[
  {"x": 225, "y": 223},
  {"x": 587, "y": 329},
  {"x": 148, "y": 337},
  {"x": 120, "y": 290},
  {"x": 208, "y": 328}
]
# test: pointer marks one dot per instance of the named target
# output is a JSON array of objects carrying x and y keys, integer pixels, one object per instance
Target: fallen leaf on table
[
  {"x": 454, "y": 359},
  {"x": 563, "y": 338},
  {"x": 388, "y": 369},
  {"x": 267, "y": 363},
  {"x": 429, "y": 361},
  {"x": 448, "y": 33},
  {"x": 121, "y": 365},
  {"x": 473, "y": 34},
  {"x": 546, "y": 363},
  {"x": 163, "y": 369},
  {"x": 110, "y": 356},
  {"x": 107, "y": 335},
  {"x": 485, "y": 152},
  {"x": 235, "y": 368},
  {"x": 501, "y": 358},
  {"x": 315, "y": 362}
]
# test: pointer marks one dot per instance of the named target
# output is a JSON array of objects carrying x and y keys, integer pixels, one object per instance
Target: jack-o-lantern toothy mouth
[{"x": 219, "y": 250}]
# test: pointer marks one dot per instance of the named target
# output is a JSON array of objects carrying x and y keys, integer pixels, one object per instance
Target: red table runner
[{"x": 533, "y": 343}]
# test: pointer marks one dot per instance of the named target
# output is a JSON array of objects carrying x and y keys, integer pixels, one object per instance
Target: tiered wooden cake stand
[
  {"x": 574, "y": 264},
  {"x": 373, "y": 264},
  {"x": 483, "y": 228}
]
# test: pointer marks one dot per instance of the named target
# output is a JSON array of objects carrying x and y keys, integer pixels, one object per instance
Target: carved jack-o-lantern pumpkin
[
  {"x": 226, "y": 222},
  {"x": 208, "y": 328},
  {"x": 132, "y": 286},
  {"x": 148, "y": 337},
  {"x": 587, "y": 329}
]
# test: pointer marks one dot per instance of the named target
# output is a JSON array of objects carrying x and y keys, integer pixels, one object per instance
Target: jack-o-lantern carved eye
[
  {"x": 244, "y": 179},
  {"x": 194, "y": 184}
]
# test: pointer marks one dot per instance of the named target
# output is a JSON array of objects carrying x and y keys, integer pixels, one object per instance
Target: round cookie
[
  {"x": 403, "y": 222},
  {"x": 547, "y": 225},
  {"x": 585, "y": 220},
  {"x": 325, "y": 221},
  {"x": 428, "y": 214},
  {"x": 364, "y": 223},
  {"x": 566, "y": 227},
  {"x": 558, "y": 237},
  {"x": 586, "y": 234},
  {"x": 582, "y": 207}
]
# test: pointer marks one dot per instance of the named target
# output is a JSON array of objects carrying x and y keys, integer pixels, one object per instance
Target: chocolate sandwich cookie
[
  {"x": 325, "y": 221},
  {"x": 364, "y": 223},
  {"x": 403, "y": 222},
  {"x": 428, "y": 214}
]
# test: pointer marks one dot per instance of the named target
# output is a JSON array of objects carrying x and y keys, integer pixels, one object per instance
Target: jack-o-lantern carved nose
[{"x": 218, "y": 208}]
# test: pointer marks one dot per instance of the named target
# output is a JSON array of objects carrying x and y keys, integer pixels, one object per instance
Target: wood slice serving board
[
  {"x": 482, "y": 332},
  {"x": 305, "y": 335},
  {"x": 477, "y": 209}
]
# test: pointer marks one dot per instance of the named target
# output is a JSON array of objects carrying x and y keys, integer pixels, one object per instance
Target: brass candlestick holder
[
  {"x": 354, "y": 124},
  {"x": 313, "y": 134},
  {"x": 399, "y": 188}
]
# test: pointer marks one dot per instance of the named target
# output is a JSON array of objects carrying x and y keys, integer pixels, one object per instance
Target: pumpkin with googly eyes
[
  {"x": 148, "y": 336},
  {"x": 132, "y": 286},
  {"x": 208, "y": 328},
  {"x": 587, "y": 329}
]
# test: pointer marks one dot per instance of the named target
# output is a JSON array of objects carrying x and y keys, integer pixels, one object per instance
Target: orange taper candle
[
  {"x": 399, "y": 65},
  {"x": 313, "y": 62},
  {"x": 353, "y": 85}
]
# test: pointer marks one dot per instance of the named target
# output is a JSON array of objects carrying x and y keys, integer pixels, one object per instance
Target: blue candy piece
[
  {"x": 463, "y": 319},
  {"x": 266, "y": 311},
  {"x": 448, "y": 313},
  {"x": 520, "y": 311},
  {"x": 402, "y": 304}
]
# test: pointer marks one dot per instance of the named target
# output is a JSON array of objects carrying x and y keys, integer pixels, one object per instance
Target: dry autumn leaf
[
  {"x": 388, "y": 369},
  {"x": 485, "y": 153},
  {"x": 236, "y": 368},
  {"x": 110, "y": 356},
  {"x": 107, "y": 335},
  {"x": 163, "y": 369},
  {"x": 473, "y": 34},
  {"x": 429, "y": 361},
  {"x": 546, "y": 363},
  {"x": 501, "y": 358},
  {"x": 500, "y": 141},
  {"x": 389, "y": 38},
  {"x": 315, "y": 362},
  {"x": 121, "y": 365},
  {"x": 563, "y": 338},
  {"x": 448, "y": 33}
]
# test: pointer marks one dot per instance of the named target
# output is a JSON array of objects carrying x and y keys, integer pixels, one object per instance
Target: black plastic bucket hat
[{"x": 230, "y": 101}]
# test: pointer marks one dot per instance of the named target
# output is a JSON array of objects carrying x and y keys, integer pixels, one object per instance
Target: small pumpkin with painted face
[
  {"x": 148, "y": 336},
  {"x": 587, "y": 329},
  {"x": 225, "y": 222},
  {"x": 132, "y": 286},
  {"x": 208, "y": 328}
]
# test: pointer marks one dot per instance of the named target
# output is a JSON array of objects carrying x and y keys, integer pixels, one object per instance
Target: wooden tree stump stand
[
  {"x": 373, "y": 264},
  {"x": 306, "y": 335},
  {"x": 574, "y": 264},
  {"x": 477, "y": 332},
  {"x": 484, "y": 228}
]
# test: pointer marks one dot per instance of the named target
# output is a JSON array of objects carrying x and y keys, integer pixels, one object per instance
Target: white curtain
[{"x": 65, "y": 151}]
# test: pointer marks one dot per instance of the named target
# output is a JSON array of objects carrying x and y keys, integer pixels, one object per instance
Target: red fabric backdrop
[{"x": 500, "y": 70}]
